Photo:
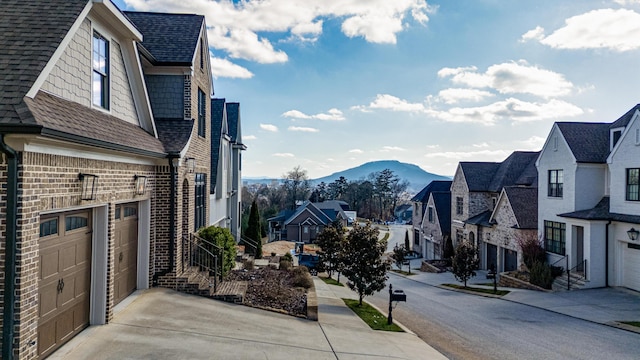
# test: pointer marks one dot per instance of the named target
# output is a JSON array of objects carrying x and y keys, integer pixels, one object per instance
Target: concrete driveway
[{"x": 164, "y": 324}]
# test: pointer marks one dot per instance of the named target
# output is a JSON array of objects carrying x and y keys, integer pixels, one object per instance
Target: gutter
[
  {"x": 8, "y": 315},
  {"x": 606, "y": 254},
  {"x": 172, "y": 218}
]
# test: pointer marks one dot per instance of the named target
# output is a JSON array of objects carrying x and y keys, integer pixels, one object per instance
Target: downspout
[
  {"x": 172, "y": 218},
  {"x": 606, "y": 255},
  {"x": 8, "y": 315}
]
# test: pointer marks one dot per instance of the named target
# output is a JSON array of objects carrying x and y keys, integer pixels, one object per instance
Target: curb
[{"x": 312, "y": 303}]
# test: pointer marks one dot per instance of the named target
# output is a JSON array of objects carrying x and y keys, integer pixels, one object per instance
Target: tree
[
  {"x": 331, "y": 241},
  {"x": 363, "y": 264},
  {"x": 399, "y": 255},
  {"x": 221, "y": 238},
  {"x": 254, "y": 231},
  {"x": 465, "y": 262},
  {"x": 532, "y": 249},
  {"x": 296, "y": 186},
  {"x": 448, "y": 248}
]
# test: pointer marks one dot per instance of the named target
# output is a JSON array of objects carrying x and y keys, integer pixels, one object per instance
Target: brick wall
[{"x": 50, "y": 182}]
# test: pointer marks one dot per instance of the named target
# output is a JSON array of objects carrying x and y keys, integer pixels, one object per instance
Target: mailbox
[{"x": 398, "y": 295}]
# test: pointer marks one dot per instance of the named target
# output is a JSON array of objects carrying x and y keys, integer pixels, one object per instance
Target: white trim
[
  {"x": 44, "y": 74},
  {"x": 57, "y": 147},
  {"x": 135, "y": 77},
  {"x": 116, "y": 13},
  {"x": 99, "y": 252},
  {"x": 144, "y": 243},
  {"x": 624, "y": 135}
]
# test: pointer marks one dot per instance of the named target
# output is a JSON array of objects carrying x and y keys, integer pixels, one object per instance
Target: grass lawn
[
  {"x": 371, "y": 316},
  {"x": 632, "y": 323},
  {"x": 478, "y": 290},
  {"x": 331, "y": 281}
]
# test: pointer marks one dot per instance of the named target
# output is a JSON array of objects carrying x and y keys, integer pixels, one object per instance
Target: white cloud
[
  {"x": 390, "y": 102},
  {"x": 331, "y": 115},
  {"x": 269, "y": 127},
  {"x": 225, "y": 68},
  {"x": 284, "y": 155},
  {"x": 303, "y": 129},
  {"x": 240, "y": 28},
  {"x": 533, "y": 143},
  {"x": 481, "y": 155},
  {"x": 392, "y": 148},
  {"x": 356, "y": 151},
  {"x": 617, "y": 30},
  {"x": 512, "y": 78},
  {"x": 481, "y": 145},
  {"x": 627, "y": 2},
  {"x": 533, "y": 34},
  {"x": 249, "y": 137},
  {"x": 455, "y": 95},
  {"x": 509, "y": 110}
]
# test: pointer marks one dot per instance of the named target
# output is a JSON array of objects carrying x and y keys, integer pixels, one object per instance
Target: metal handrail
[
  {"x": 583, "y": 263},
  {"x": 250, "y": 242},
  {"x": 196, "y": 254},
  {"x": 566, "y": 257}
]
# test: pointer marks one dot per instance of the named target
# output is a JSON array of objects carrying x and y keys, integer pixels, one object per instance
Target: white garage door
[{"x": 631, "y": 269}]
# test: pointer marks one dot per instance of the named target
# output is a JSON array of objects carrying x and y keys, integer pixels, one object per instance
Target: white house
[{"x": 588, "y": 205}]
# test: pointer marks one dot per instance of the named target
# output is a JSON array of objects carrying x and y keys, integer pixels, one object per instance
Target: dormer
[{"x": 614, "y": 136}]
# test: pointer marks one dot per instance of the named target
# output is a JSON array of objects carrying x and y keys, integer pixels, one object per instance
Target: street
[{"x": 464, "y": 326}]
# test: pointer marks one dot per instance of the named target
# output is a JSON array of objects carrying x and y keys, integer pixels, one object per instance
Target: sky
[{"x": 331, "y": 84}]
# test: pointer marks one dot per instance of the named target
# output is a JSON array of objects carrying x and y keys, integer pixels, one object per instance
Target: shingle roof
[
  {"x": 233, "y": 120},
  {"x": 589, "y": 142},
  {"x": 172, "y": 39},
  {"x": 623, "y": 121},
  {"x": 435, "y": 185},
  {"x": 442, "y": 201},
  {"x": 73, "y": 121},
  {"x": 524, "y": 204},
  {"x": 30, "y": 32},
  {"x": 481, "y": 219},
  {"x": 479, "y": 174},
  {"x": 174, "y": 133},
  {"x": 601, "y": 212},
  {"x": 512, "y": 169},
  {"x": 217, "y": 118}
]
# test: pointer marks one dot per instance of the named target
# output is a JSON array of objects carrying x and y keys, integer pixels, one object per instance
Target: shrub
[
  {"x": 220, "y": 237},
  {"x": 540, "y": 275},
  {"x": 301, "y": 278},
  {"x": 532, "y": 250},
  {"x": 286, "y": 263},
  {"x": 248, "y": 265}
]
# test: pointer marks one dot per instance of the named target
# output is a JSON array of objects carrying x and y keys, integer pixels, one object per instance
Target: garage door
[
  {"x": 64, "y": 278},
  {"x": 126, "y": 250},
  {"x": 631, "y": 269}
]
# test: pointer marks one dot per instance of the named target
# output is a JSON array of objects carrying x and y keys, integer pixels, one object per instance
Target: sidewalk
[
  {"x": 608, "y": 306},
  {"x": 164, "y": 324}
]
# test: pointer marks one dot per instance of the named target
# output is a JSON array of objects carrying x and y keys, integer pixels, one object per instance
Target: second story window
[
  {"x": 555, "y": 183},
  {"x": 633, "y": 185},
  {"x": 202, "y": 112},
  {"x": 200, "y": 201},
  {"x": 430, "y": 214},
  {"x": 459, "y": 204},
  {"x": 100, "y": 81}
]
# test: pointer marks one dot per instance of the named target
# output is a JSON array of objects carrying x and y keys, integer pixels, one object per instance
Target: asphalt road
[{"x": 463, "y": 326}]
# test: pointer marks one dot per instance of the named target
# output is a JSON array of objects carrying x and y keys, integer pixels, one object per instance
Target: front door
[{"x": 579, "y": 249}]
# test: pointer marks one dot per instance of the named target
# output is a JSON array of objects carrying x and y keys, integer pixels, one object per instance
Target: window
[
  {"x": 459, "y": 203},
  {"x": 616, "y": 136},
  {"x": 416, "y": 237},
  {"x": 100, "y": 85},
  {"x": 202, "y": 53},
  {"x": 554, "y": 237},
  {"x": 202, "y": 111},
  {"x": 633, "y": 181},
  {"x": 430, "y": 214},
  {"x": 555, "y": 183},
  {"x": 306, "y": 229},
  {"x": 49, "y": 227},
  {"x": 200, "y": 210},
  {"x": 74, "y": 222}
]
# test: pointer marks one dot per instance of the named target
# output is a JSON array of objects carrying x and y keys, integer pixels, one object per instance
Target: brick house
[
  {"x": 106, "y": 137},
  {"x": 475, "y": 191},
  {"x": 427, "y": 236},
  {"x": 589, "y": 207},
  {"x": 307, "y": 221}
]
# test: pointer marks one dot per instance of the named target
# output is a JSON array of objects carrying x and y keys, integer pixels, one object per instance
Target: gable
[
  {"x": 628, "y": 146},
  {"x": 303, "y": 216},
  {"x": 555, "y": 150}
]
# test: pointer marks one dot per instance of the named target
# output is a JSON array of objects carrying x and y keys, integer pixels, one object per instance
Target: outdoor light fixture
[
  {"x": 141, "y": 184},
  {"x": 89, "y": 185},
  {"x": 633, "y": 234},
  {"x": 191, "y": 165}
]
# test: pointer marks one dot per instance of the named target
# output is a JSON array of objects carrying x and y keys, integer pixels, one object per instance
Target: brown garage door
[
  {"x": 64, "y": 279},
  {"x": 126, "y": 250}
]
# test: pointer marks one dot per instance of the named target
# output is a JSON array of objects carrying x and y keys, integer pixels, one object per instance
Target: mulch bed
[{"x": 273, "y": 289}]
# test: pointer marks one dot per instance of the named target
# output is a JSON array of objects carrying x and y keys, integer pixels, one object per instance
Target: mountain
[{"x": 416, "y": 177}]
